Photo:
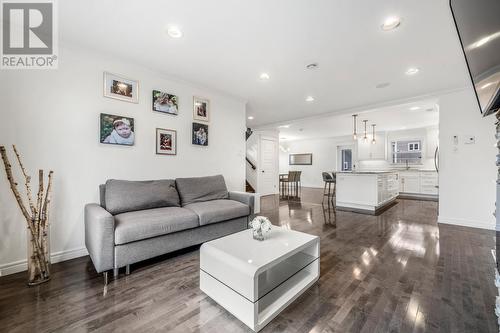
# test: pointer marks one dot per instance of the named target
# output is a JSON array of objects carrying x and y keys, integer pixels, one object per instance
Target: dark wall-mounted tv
[{"x": 478, "y": 26}]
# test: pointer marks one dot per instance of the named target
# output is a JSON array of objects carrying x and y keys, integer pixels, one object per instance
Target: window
[
  {"x": 414, "y": 146},
  {"x": 406, "y": 151}
]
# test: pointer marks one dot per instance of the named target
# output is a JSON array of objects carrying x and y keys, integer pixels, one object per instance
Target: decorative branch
[
  {"x": 46, "y": 202},
  {"x": 13, "y": 184},
  {"x": 37, "y": 221},
  {"x": 27, "y": 181}
]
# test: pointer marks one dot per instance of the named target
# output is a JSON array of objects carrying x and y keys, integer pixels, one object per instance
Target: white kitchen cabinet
[
  {"x": 418, "y": 182},
  {"x": 366, "y": 191},
  {"x": 429, "y": 183},
  {"x": 409, "y": 182},
  {"x": 369, "y": 151}
]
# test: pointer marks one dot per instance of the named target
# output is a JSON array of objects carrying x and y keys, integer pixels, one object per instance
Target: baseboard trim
[
  {"x": 467, "y": 223},
  {"x": 22, "y": 265}
]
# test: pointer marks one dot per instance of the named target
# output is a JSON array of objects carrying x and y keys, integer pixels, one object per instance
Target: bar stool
[
  {"x": 298, "y": 184},
  {"x": 329, "y": 180},
  {"x": 285, "y": 181}
]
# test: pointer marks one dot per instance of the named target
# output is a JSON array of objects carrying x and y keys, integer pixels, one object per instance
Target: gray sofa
[{"x": 138, "y": 220}]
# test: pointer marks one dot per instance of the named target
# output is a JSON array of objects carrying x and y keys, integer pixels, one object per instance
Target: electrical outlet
[{"x": 470, "y": 140}]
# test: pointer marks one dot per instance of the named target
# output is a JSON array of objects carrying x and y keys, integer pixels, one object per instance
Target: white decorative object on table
[{"x": 260, "y": 226}]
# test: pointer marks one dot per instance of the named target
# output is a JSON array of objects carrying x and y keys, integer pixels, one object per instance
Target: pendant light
[
  {"x": 354, "y": 132},
  {"x": 365, "y": 138},
  {"x": 373, "y": 140}
]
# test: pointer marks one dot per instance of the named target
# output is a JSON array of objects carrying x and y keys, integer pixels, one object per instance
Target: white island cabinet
[{"x": 366, "y": 192}]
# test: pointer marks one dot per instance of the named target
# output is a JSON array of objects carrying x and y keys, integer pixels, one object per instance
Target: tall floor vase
[{"x": 39, "y": 262}]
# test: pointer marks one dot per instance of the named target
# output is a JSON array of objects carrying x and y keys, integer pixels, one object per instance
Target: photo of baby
[
  {"x": 117, "y": 130},
  {"x": 163, "y": 102}
]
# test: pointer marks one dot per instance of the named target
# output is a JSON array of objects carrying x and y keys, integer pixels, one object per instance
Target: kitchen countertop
[
  {"x": 385, "y": 171},
  {"x": 365, "y": 172}
]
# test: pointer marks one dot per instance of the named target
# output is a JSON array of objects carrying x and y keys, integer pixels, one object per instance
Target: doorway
[
  {"x": 345, "y": 158},
  {"x": 268, "y": 171}
]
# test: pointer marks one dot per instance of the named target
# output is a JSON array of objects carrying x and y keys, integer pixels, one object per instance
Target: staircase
[{"x": 249, "y": 188}]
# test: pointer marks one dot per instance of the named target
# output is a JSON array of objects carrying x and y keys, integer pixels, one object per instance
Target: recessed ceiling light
[
  {"x": 264, "y": 76},
  {"x": 284, "y": 126},
  {"x": 174, "y": 31},
  {"x": 309, "y": 99},
  {"x": 412, "y": 71},
  {"x": 391, "y": 23},
  {"x": 415, "y": 108},
  {"x": 250, "y": 118},
  {"x": 486, "y": 85},
  {"x": 313, "y": 65},
  {"x": 382, "y": 85}
]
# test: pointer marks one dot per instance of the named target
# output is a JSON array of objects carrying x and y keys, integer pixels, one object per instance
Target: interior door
[{"x": 268, "y": 179}]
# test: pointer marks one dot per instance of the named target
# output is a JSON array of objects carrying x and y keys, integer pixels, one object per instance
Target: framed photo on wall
[
  {"x": 201, "y": 109},
  {"x": 121, "y": 88},
  {"x": 166, "y": 103},
  {"x": 200, "y": 134},
  {"x": 116, "y": 130},
  {"x": 166, "y": 141}
]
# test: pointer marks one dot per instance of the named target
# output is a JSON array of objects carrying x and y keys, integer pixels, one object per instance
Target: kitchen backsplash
[{"x": 379, "y": 165}]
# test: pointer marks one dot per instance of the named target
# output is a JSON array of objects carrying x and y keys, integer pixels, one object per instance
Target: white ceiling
[
  {"x": 228, "y": 43},
  {"x": 392, "y": 118}
]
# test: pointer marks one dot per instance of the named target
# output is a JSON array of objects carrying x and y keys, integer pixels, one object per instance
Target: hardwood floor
[{"x": 396, "y": 272}]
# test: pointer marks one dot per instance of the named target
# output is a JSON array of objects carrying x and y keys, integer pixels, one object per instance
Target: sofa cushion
[
  {"x": 142, "y": 224},
  {"x": 126, "y": 196},
  {"x": 198, "y": 189},
  {"x": 218, "y": 210}
]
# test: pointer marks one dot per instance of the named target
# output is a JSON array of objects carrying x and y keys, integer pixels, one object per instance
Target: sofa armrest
[
  {"x": 248, "y": 199},
  {"x": 100, "y": 236}
]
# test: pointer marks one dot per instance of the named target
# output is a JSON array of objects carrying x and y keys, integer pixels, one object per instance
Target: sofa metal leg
[
  {"x": 127, "y": 270},
  {"x": 115, "y": 272},
  {"x": 105, "y": 274}
]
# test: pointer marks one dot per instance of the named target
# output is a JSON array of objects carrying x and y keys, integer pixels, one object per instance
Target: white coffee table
[{"x": 255, "y": 280}]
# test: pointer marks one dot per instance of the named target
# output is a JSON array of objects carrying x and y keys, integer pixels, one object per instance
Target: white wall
[
  {"x": 53, "y": 118},
  {"x": 324, "y": 157},
  {"x": 467, "y": 173}
]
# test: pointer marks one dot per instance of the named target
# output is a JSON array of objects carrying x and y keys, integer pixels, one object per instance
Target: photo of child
[
  {"x": 117, "y": 130},
  {"x": 201, "y": 110},
  {"x": 118, "y": 87},
  {"x": 166, "y": 141},
  {"x": 121, "y": 88},
  {"x": 163, "y": 102},
  {"x": 200, "y": 134}
]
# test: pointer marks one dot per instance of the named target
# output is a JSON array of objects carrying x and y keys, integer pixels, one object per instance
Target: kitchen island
[{"x": 366, "y": 191}]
